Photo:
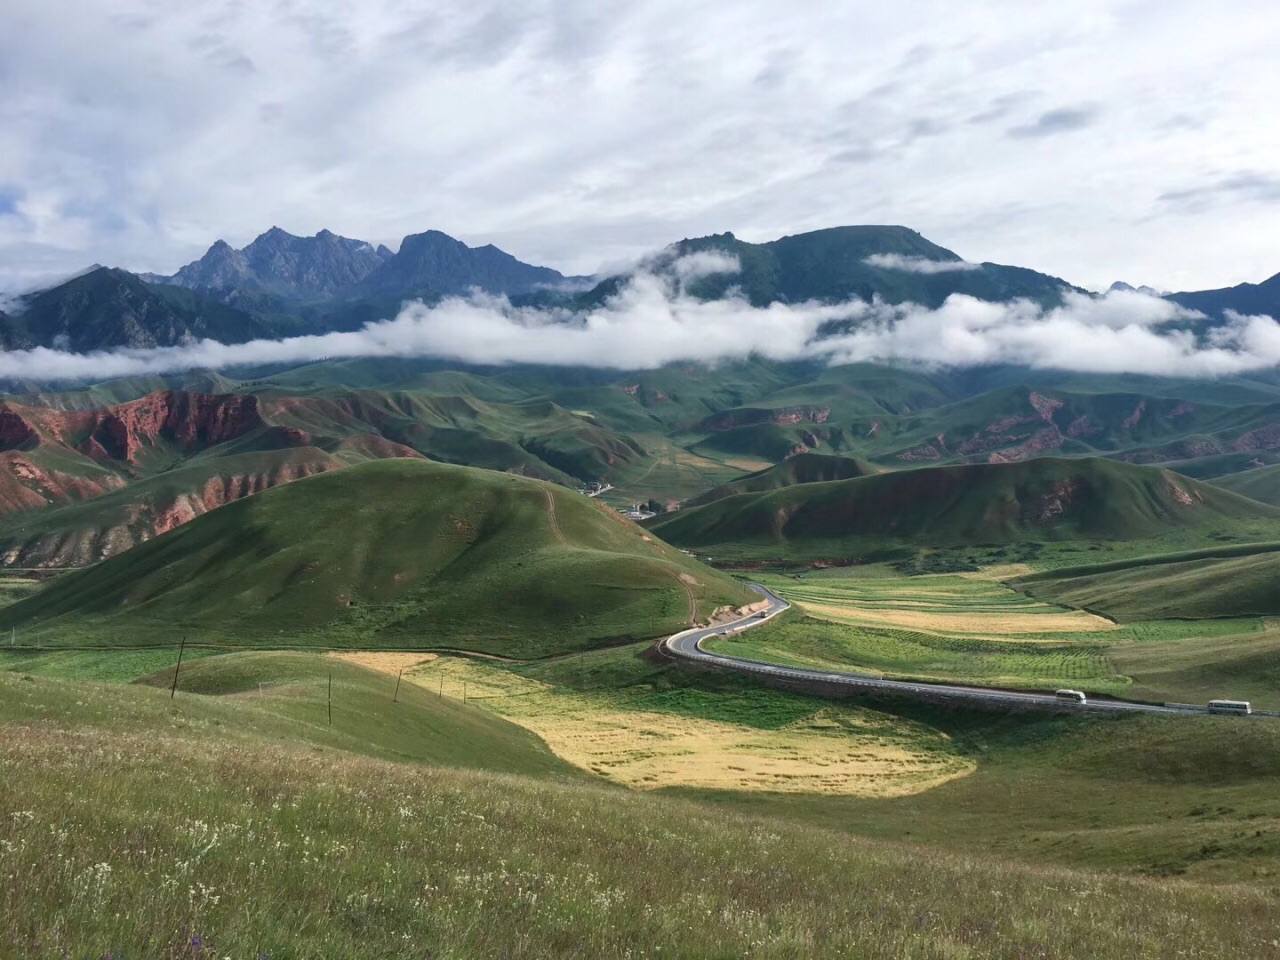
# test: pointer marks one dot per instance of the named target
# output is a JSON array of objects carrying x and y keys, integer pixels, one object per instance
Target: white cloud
[
  {"x": 651, "y": 321},
  {"x": 897, "y": 261},
  {"x": 705, "y": 263}
]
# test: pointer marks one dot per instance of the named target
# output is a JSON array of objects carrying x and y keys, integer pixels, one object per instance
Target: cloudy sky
[{"x": 1092, "y": 140}]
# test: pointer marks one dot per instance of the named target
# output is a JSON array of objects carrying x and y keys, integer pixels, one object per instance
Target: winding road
[{"x": 687, "y": 646}]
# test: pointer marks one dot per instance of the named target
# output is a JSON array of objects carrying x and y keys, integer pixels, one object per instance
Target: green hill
[
  {"x": 1035, "y": 500},
  {"x": 286, "y": 694},
  {"x": 802, "y": 468},
  {"x": 1260, "y": 483},
  {"x": 839, "y": 263},
  {"x": 398, "y": 554},
  {"x": 1159, "y": 588}
]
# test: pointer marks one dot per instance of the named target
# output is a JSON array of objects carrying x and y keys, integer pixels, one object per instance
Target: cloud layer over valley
[{"x": 652, "y": 320}]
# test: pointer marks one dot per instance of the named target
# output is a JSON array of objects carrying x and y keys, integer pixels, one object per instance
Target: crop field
[
  {"x": 15, "y": 588},
  {"x": 641, "y": 738},
  {"x": 950, "y": 604},
  {"x": 970, "y": 628}
]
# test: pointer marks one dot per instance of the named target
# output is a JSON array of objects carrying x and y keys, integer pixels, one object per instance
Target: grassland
[
  {"x": 402, "y": 554},
  {"x": 1260, "y": 483},
  {"x": 237, "y": 822},
  {"x": 972, "y": 628}
]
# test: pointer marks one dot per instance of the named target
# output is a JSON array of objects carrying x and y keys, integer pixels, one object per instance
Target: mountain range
[{"x": 284, "y": 285}]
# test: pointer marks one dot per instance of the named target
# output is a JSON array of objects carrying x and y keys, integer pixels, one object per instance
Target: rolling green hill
[
  {"x": 802, "y": 468},
  {"x": 1158, "y": 588},
  {"x": 670, "y": 434},
  {"x": 1037, "y": 500},
  {"x": 833, "y": 264},
  {"x": 395, "y": 554},
  {"x": 1260, "y": 483}
]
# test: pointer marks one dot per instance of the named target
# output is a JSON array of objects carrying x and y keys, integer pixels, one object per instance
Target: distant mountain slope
[
  {"x": 1156, "y": 589},
  {"x": 298, "y": 270},
  {"x": 108, "y": 309},
  {"x": 1047, "y": 499},
  {"x": 802, "y": 468},
  {"x": 395, "y": 554},
  {"x": 1247, "y": 298},
  {"x": 1260, "y": 483},
  {"x": 1009, "y": 423},
  {"x": 839, "y": 263},
  {"x": 436, "y": 262}
]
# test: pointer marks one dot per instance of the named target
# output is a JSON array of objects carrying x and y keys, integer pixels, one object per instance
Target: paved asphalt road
[{"x": 686, "y": 646}]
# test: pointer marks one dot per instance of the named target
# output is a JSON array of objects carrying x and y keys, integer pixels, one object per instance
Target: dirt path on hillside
[
  {"x": 551, "y": 515},
  {"x": 688, "y": 592}
]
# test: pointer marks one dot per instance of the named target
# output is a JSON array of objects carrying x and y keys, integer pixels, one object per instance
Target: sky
[{"x": 1094, "y": 141}]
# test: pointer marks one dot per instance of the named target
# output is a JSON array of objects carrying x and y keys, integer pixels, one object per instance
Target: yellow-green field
[
  {"x": 947, "y": 604},
  {"x": 631, "y": 738}
]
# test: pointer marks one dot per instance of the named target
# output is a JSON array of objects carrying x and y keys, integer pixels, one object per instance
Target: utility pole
[
  {"x": 331, "y": 697},
  {"x": 396, "y": 698},
  {"x": 174, "y": 689}
]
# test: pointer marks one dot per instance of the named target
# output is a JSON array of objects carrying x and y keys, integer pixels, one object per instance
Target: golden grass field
[
  {"x": 972, "y": 604},
  {"x": 644, "y": 749}
]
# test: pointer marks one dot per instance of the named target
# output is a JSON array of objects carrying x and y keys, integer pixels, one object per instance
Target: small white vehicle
[
  {"x": 1073, "y": 696},
  {"x": 1238, "y": 707}
]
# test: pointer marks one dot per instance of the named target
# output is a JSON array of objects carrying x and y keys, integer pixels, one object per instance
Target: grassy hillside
[
  {"x": 242, "y": 823},
  {"x": 1260, "y": 483},
  {"x": 1037, "y": 500},
  {"x": 1213, "y": 586},
  {"x": 651, "y": 434},
  {"x": 803, "y": 468},
  {"x": 398, "y": 554}
]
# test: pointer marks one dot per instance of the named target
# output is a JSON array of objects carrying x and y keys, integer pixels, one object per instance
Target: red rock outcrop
[
  {"x": 1040, "y": 442},
  {"x": 25, "y": 485},
  {"x": 752, "y": 416},
  {"x": 1264, "y": 438},
  {"x": 1053, "y": 503},
  {"x": 1135, "y": 418},
  {"x": 16, "y": 433},
  {"x": 125, "y": 431}
]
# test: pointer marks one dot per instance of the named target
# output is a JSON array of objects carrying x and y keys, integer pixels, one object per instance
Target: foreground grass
[{"x": 181, "y": 843}]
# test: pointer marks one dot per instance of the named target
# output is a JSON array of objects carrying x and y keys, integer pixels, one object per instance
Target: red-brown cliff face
[
  {"x": 26, "y": 485},
  {"x": 122, "y": 432},
  {"x": 16, "y": 433},
  {"x": 189, "y": 419}
]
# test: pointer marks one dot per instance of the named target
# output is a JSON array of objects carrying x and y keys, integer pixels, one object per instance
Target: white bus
[
  {"x": 1075, "y": 696},
  {"x": 1230, "y": 706}
]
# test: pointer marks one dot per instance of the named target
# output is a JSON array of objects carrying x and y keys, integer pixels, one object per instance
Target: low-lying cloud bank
[
  {"x": 651, "y": 321},
  {"x": 898, "y": 261}
]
